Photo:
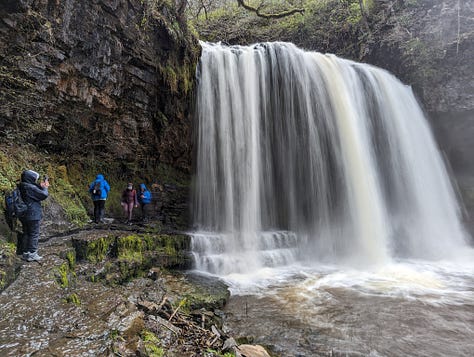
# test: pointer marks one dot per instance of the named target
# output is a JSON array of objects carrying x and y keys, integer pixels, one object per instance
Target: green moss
[
  {"x": 97, "y": 249},
  {"x": 62, "y": 275},
  {"x": 170, "y": 78},
  {"x": 10, "y": 170},
  {"x": 7, "y": 257},
  {"x": 65, "y": 194},
  {"x": 136, "y": 253},
  {"x": 13, "y": 162},
  {"x": 114, "y": 334},
  {"x": 73, "y": 299},
  {"x": 130, "y": 248},
  {"x": 71, "y": 258},
  {"x": 152, "y": 344},
  {"x": 130, "y": 257},
  {"x": 183, "y": 305},
  {"x": 3, "y": 280},
  {"x": 7, "y": 250}
]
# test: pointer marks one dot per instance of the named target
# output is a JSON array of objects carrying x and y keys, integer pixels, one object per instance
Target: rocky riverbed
[{"x": 111, "y": 290}]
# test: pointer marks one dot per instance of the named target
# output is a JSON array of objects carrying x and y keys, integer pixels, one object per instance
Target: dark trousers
[
  {"x": 144, "y": 208},
  {"x": 31, "y": 233},
  {"x": 99, "y": 210}
]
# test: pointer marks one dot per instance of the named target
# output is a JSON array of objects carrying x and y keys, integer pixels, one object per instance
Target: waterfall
[{"x": 307, "y": 157}]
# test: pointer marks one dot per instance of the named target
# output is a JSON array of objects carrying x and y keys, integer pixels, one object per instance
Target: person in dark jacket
[
  {"x": 129, "y": 200},
  {"x": 32, "y": 193},
  {"x": 99, "y": 190},
  {"x": 144, "y": 198}
]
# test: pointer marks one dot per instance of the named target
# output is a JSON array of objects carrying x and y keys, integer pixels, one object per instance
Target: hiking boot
[{"x": 33, "y": 256}]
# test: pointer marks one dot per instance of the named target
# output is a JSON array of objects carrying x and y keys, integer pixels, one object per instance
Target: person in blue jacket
[
  {"x": 144, "y": 198},
  {"x": 99, "y": 190},
  {"x": 32, "y": 193}
]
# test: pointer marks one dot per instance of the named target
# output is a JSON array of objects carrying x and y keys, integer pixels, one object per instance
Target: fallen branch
[
  {"x": 166, "y": 324},
  {"x": 181, "y": 303}
]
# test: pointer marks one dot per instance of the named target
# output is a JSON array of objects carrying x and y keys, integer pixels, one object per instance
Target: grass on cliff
[{"x": 14, "y": 159}]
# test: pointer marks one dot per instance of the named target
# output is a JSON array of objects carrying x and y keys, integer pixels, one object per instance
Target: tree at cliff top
[
  {"x": 328, "y": 26},
  {"x": 273, "y": 9}
]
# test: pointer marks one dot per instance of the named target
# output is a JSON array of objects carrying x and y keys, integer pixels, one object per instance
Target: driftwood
[
  {"x": 166, "y": 324},
  {"x": 183, "y": 324}
]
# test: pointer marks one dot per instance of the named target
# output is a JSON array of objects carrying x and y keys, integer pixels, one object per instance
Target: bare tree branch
[{"x": 279, "y": 15}]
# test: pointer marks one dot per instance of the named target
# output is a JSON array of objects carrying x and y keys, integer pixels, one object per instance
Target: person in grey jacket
[{"x": 32, "y": 193}]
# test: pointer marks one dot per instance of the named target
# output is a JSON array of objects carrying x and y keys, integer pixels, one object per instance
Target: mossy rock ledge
[
  {"x": 8, "y": 264},
  {"x": 119, "y": 257}
]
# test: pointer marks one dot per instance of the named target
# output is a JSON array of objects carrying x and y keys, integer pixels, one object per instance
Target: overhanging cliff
[{"x": 108, "y": 80}]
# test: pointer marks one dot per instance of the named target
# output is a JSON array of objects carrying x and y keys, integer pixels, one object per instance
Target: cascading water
[{"x": 305, "y": 157}]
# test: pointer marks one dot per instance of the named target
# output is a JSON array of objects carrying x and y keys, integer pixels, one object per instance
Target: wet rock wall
[{"x": 103, "y": 80}]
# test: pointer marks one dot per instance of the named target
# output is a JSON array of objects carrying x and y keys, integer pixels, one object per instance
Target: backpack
[
  {"x": 96, "y": 190},
  {"x": 15, "y": 207}
]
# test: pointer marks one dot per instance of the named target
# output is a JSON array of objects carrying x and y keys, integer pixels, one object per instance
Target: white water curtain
[{"x": 335, "y": 153}]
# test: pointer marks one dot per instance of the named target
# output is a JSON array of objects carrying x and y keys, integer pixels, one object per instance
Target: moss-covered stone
[
  {"x": 8, "y": 265},
  {"x": 197, "y": 290},
  {"x": 93, "y": 249},
  {"x": 128, "y": 256}
]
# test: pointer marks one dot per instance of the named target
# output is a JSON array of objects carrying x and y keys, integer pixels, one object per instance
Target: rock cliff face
[
  {"x": 104, "y": 80},
  {"x": 429, "y": 44}
]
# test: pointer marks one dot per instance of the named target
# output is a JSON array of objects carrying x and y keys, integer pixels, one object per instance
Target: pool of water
[{"x": 407, "y": 308}]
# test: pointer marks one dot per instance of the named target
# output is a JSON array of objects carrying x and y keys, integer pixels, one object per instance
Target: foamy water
[{"x": 415, "y": 308}]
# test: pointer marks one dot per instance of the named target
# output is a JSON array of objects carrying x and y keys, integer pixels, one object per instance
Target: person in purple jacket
[{"x": 32, "y": 193}]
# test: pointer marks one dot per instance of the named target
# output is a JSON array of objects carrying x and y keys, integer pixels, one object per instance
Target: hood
[
  {"x": 29, "y": 176},
  {"x": 99, "y": 177},
  {"x": 143, "y": 187}
]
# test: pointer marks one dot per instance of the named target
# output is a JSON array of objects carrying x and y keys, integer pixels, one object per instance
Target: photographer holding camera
[{"x": 32, "y": 193}]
